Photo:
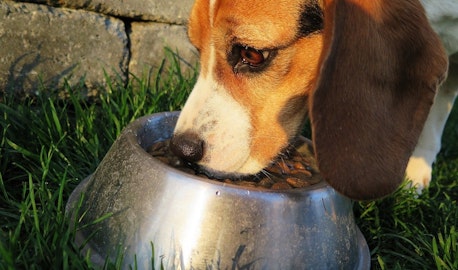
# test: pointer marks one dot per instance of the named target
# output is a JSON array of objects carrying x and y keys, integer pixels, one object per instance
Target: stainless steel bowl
[{"x": 135, "y": 206}]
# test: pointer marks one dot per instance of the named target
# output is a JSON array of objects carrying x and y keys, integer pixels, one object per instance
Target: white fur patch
[
  {"x": 212, "y": 5},
  {"x": 419, "y": 169},
  {"x": 443, "y": 15},
  {"x": 222, "y": 123},
  {"x": 420, "y": 164}
]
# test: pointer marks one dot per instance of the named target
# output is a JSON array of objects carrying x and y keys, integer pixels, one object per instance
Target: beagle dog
[{"x": 366, "y": 73}]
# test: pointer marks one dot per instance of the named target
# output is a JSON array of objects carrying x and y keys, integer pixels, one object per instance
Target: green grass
[{"x": 48, "y": 145}]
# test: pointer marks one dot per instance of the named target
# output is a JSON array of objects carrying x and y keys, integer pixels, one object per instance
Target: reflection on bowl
[{"x": 136, "y": 206}]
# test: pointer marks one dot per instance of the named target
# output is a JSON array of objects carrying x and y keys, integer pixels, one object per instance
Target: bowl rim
[{"x": 134, "y": 138}]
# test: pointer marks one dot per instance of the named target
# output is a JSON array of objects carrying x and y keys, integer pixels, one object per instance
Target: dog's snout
[{"x": 187, "y": 146}]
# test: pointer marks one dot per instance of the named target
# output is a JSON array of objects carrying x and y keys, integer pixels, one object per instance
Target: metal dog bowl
[{"x": 136, "y": 207}]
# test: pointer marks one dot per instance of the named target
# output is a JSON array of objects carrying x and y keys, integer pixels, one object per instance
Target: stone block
[
  {"x": 169, "y": 11},
  {"x": 149, "y": 42},
  {"x": 43, "y": 45}
]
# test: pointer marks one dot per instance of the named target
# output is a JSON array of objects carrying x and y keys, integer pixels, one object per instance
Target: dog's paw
[{"x": 419, "y": 171}]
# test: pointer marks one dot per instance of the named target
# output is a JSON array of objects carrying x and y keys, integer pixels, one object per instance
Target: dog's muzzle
[{"x": 188, "y": 147}]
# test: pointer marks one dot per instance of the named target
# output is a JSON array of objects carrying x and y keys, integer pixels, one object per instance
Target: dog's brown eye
[
  {"x": 252, "y": 56},
  {"x": 245, "y": 59}
]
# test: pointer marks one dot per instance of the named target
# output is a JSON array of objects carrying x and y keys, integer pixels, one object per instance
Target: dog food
[{"x": 296, "y": 168}]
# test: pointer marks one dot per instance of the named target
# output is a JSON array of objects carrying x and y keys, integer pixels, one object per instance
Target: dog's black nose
[{"x": 187, "y": 146}]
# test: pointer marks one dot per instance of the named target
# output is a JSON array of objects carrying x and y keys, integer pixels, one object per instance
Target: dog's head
[{"x": 366, "y": 73}]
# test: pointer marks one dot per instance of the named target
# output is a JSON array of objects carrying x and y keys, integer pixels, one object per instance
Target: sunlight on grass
[
  {"x": 405, "y": 231},
  {"x": 48, "y": 145}
]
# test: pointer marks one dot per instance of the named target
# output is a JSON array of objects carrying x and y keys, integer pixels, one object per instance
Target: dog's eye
[
  {"x": 253, "y": 57},
  {"x": 248, "y": 59}
]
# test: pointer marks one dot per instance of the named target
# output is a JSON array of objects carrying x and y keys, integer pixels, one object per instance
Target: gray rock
[
  {"x": 42, "y": 45},
  {"x": 168, "y": 11},
  {"x": 152, "y": 43}
]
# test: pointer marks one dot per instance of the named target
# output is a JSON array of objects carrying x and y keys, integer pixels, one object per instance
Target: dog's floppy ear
[
  {"x": 199, "y": 23},
  {"x": 380, "y": 68}
]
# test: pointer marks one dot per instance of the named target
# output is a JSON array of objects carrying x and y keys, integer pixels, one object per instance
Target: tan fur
[
  {"x": 264, "y": 96},
  {"x": 369, "y": 80},
  {"x": 199, "y": 30}
]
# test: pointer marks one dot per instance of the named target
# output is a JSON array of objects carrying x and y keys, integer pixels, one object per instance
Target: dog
[{"x": 365, "y": 73}]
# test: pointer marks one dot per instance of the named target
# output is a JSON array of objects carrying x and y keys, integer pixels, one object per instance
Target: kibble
[{"x": 296, "y": 168}]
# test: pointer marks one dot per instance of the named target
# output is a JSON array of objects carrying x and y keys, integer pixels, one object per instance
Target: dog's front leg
[{"x": 419, "y": 168}]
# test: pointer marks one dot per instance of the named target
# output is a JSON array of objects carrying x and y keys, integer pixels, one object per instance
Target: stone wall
[{"x": 52, "y": 42}]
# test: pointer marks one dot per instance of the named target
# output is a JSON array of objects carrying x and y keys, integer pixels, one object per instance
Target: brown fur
[
  {"x": 369, "y": 81},
  {"x": 375, "y": 88}
]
